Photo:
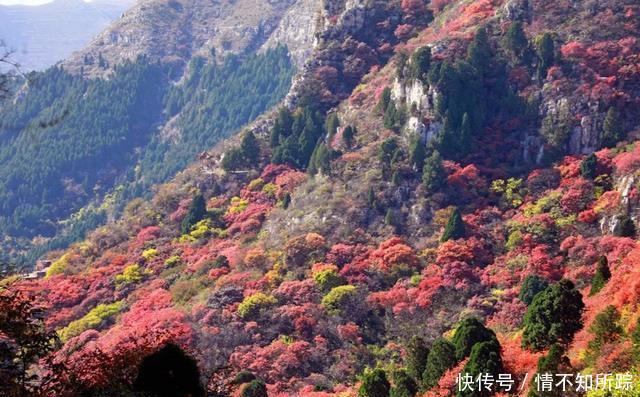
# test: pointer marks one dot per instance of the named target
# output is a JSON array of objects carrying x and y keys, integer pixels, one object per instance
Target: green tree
[
  {"x": 479, "y": 51},
  {"x": 387, "y": 149},
  {"x": 624, "y": 227},
  {"x": 197, "y": 212},
  {"x": 603, "y": 274},
  {"x": 515, "y": 42},
  {"x": 588, "y": 167},
  {"x": 485, "y": 358},
  {"x": 552, "y": 361},
  {"x": 320, "y": 160},
  {"x": 331, "y": 124},
  {"x": 374, "y": 384},
  {"x": 554, "y": 316},
  {"x": 403, "y": 385},
  {"x": 612, "y": 131},
  {"x": 417, "y": 153},
  {"x": 546, "y": 52},
  {"x": 421, "y": 63},
  {"x": 442, "y": 357},
  {"x": 249, "y": 147},
  {"x": 454, "y": 228},
  {"x": 416, "y": 359},
  {"x": 635, "y": 340},
  {"x": 605, "y": 328},
  {"x": 464, "y": 138},
  {"x": 385, "y": 100},
  {"x": 532, "y": 286},
  {"x": 233, "y": 160},
  {"x": 282, "y": 127},
  {"x": 433, "y": 173},
  {"x": 469, "y": 332},
  {"x": 347, "y": 135}
]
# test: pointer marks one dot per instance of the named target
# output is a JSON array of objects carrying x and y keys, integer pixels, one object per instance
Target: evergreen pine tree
[
  {"x": 385, "y": 100},
  {"x": 554, "y": 316},
  {"x": 403, "y": 385},
  {"x": 420, "y": 63},
  {"x": 469, "y": 332},
  {"x": 332, "y": 123},
  {"x": 612, "y": 129},
  {"x": 464, "y": 140},
  {"x": 546, "y": 54},
  {"x": 417, "y": 154},
  {"x": 485, "y": 358},
  {"x": 479, "y": 51},
  {"x": 374, "y": 384},
  {"x": 603, "y": 274},
  {"x": 455, "y": 228},
  {"x": 624, "y": 227},
  {"x": 348, "y": 135},
  {"x": 371, "y": 197},
  {"x": 516, "y": 43},
  {"x": 442, "y": 357},
  {"x": 531, "y": 286},
  {"x": 588, "y": 167},
  {"x": 433, "y": 172},
  {"x": 197, "y": 211},
  {"x": 249, "y": 147}
]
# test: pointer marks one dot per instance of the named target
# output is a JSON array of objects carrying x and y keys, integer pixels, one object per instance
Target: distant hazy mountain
[{"x": 43, "y": 35}]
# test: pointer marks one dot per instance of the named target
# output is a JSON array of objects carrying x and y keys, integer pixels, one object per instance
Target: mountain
[
  {"x": 447, "y": 192},
  {"x": 185, "y": 64},
  {"x": 40, "y": 36}
]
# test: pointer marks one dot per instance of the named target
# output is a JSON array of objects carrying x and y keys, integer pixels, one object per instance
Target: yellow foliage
[
  {"x": 131, "y": 274},
  {"x": 251, "y": 305},
  {"x": 237, "y": 205},
  {"x": 149, "y": 254},
  {"x": 95, "y": 318},
  {"x": 59, "y": 266}
]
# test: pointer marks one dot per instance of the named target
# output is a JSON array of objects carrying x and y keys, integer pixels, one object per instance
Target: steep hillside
[
  {"x": 43, "y": 35},
  {"x": 450, "y": 189},
  {"x": 60, "y": 133}
]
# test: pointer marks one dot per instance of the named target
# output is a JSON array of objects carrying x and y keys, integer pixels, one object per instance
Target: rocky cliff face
[{"x": 173, "y": 31}]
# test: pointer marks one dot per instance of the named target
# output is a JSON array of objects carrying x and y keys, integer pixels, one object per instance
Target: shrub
[
  {"x": 554, "y": 316},
  {"x": 131, "y": 274},
  {"x": 328, "y": 279},
  {"x": 149, "y": 254},
  {"x": 172, "y": 261},
  {"x": 255, "y": 388},
  {"x": 59, "y": 266},
  {"x": 251, "y": 305},
  {"x": 339, "y": 297},
  {"x": 374, "y": 384},
  {"x": 94, "y": 319}
]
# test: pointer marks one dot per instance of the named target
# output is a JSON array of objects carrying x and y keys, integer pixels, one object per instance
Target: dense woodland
[
  {"x": 352, "y": 252},
  {"x": 67, "y": 142}
]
